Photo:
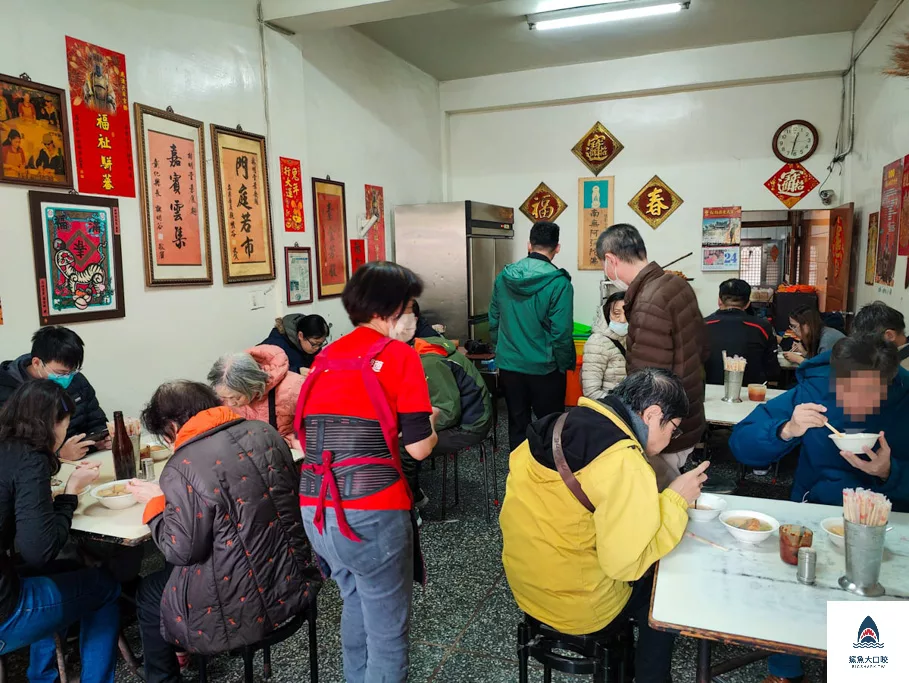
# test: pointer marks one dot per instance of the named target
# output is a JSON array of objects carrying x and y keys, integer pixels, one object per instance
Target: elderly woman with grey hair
[{"x": 258, "y": 385}]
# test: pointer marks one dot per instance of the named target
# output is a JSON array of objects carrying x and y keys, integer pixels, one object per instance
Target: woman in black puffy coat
[{"x": 225, "y": 514}]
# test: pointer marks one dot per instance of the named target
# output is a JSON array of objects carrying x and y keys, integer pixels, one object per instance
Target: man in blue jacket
[{"x": 858, "y": 386}]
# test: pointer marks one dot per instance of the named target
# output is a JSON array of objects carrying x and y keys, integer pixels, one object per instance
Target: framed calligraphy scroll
[
  {"x": 889, "y": 220},
  {"x": 871, "y": 251},
  {"x": 330, "y": 213},
  {"x": 375, "y": 237},
  {"x": 244, "y": 207},
  {"x": 34, "y": 135},
  {"x": 298, "y": 266},
  {"x": 101, "y": 129},
  {"x": 78, "y": 268},
  {"x": 596, "y": 212},
  {"x": 173, "y": 195}
]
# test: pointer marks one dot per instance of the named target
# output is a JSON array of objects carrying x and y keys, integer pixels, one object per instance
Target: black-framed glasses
[
  {"x": 677, "y": 432},
  {"x": 317, "y": 344}
]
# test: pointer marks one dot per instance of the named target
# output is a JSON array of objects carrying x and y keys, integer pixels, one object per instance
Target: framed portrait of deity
[
  {"x": 596, "y": 212},
  {"x": 173, "y": 195},
  {"x": 34, "y": 135},
  {"x": 78, "y": 267},
  {"x": 330, "y": 214},
  {"x": 244, "y": 207}
]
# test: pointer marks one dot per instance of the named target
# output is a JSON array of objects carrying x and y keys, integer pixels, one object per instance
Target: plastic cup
[{"x": 757, "y": 393}]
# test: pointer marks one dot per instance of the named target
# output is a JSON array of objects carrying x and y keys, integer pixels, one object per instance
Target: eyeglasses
[
  {"x": 317, "y": 344},
  {"x": 677, "y": 432}
]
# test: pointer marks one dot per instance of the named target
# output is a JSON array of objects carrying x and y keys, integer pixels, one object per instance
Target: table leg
[{"x": 703, "y": 674}]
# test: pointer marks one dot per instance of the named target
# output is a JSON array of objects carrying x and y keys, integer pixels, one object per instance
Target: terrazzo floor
[{"x": 464, "y": 620}]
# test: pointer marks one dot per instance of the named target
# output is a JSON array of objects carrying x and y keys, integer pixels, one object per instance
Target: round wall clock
[{"x": 795, "y": 141}]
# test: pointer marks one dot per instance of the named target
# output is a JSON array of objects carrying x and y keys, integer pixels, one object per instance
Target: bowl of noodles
[{"x": 749, "y": 526}]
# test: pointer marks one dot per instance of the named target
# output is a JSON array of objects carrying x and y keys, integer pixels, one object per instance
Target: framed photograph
[
  {"x": 596, "y": 212},
  {"x": 34, "y": 135},
  {"x": 78, "y": 267},
  {"x": 298, "y": 264},
  {"x": 244, "y": 207},
  {"x": 330, "y": 213},
  {"x": 174, "y": 198}
]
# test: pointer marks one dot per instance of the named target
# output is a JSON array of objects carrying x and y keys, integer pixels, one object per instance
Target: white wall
[
  {"x": 881, "y": 137},
  {"x": 207, "y": 65},
  {"x": 711, "y": 146}
]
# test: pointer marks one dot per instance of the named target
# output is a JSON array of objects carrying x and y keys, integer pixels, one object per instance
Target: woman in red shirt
[{"x": 364, "y": 394}]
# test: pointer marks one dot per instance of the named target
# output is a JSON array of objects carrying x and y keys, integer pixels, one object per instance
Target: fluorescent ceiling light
[{"x": 583, "y": 16}]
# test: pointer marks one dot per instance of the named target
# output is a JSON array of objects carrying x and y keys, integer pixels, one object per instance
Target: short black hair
[
  {"x": 607, "y": 307},
  {"x": 654, "y": 387},
  {"x": 32, "y": 412},
  {"x": 313, "y": 326},
  {"x": 544, "y": 234},
  {"x": 735, "y": 292},
  {"x": 876, "y": 318},
  {"x": 623, "y": 241},
  {"x": 173, "y": 405},
  {"x": 861, "y": 354},
  {"x": 416, "y": 308},
  {"x": 58, "y": 344},
  {"x": 381, "y": 289}
]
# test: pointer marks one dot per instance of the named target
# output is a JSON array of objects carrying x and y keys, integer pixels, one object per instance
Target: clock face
[{"x": 795, "y": 141}]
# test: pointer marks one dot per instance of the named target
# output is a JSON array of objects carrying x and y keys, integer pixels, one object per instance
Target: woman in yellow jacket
[{"x": 576, "y": 570}]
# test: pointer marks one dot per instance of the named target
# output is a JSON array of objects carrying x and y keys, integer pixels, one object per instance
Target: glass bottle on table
[{"x": 124, "y": 458}]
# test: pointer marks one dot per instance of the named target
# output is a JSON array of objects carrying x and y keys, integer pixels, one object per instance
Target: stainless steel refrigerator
[{"x": 458, "y": 248}]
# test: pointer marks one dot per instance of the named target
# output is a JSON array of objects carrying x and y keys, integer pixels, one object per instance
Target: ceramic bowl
[
  {"x": 158, "y": 452},
  {"x": 837, "y": 523},
  {"x": 743, "y": 534},
  {"x": 854, "y": 442},
  {"x": 708, "y": 507},
  {"x": 119, "y": 502}
]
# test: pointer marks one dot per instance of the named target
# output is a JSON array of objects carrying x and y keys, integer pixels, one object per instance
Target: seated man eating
[
  {"x": 576, "y": 563},
  {"x": 858, "y": 386}
]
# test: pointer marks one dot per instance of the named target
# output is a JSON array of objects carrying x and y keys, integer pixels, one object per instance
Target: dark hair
[
  {"x": 607, "y": 307},
  {"x": 313, "y": 326},
  {"x": 416, "y": 308},
  {"x": 809, "y": 316},
  {"x": 60, "y": 344},
  {"x": 545, "y": 235},
  {"x": 876, "y": 318},
  {"x": 858, "y": 354},
  {"x": 381, "y": 289},
  {"x": 654, "y": 387},
  {"x": 174, "y": 404},
  {"x": 32, "y": 412},
  {"x": 735, "y": 292},
  {"x": 623, "y": 241}
]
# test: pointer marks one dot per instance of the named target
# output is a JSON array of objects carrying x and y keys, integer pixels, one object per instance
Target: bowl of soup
[
  {"x": 835, "y": 528},
  {"x": 854, "y": 443},
  {"x": 706, "y": 508},
  {"x": 114, "y": 495},
  {"x": 156, "y": 452},
  {"x": 749, "y": 526}
]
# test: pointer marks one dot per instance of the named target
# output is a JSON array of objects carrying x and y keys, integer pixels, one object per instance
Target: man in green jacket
[{"x": 531, "y": 324}]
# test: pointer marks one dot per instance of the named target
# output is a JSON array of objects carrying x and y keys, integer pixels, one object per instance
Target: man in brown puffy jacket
[{"x": 665, "y": 330}]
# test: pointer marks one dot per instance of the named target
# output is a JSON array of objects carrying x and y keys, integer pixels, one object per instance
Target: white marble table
[
  {"x": 749, "y": 596},
  {"x": 718, "y": 412},
  {"x": 123, "y": 527}
]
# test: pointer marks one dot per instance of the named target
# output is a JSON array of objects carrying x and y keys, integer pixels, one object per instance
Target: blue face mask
[
  {"x": 63, "y": 380},
  {"x": 620, "y": 329}
]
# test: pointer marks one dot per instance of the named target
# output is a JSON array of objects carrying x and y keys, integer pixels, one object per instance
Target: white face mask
[
  {"x": 405, "y": 328},
  {"x": 617, "y": 283},
  {"x": 620, "y": 329}
]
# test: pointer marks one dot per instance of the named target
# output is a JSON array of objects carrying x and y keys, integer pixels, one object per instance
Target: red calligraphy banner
[
  {"x": 904, "y": 212},
  {"x": 357, "y": 254},
  {"x": 292, "y": 194},
  {"x": 175, "y": 204},
  {"x": 375, "y": 206},
  {"x": 331, "y": 240},
  {"x": 101, "y": 126}
]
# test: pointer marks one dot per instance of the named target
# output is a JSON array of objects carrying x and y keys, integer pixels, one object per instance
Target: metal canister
[
  {"x": 807, "y": 565},
  {"x": 148, "y": 469}
]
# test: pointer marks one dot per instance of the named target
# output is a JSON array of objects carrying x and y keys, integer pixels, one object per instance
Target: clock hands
[{"x": 795, "y": 141}]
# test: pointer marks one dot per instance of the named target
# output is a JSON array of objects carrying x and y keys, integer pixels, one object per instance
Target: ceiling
[{"x": 493, "y": 37}]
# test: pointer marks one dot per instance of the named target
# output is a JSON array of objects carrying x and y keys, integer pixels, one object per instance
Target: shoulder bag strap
[
  {"x": 272, "y": 409},
  {"x": 904, "y": 352},
  {"x": 565, "y": 472},
  {"x": 618, "y": 346}
]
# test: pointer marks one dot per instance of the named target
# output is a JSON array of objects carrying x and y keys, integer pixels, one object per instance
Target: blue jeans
[
  {"x": 50, "y": 604},
  {"x": 785, "y": 666},
  {"x": 375, "y": 578}
]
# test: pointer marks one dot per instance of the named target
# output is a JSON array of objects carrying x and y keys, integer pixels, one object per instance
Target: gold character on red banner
[
  {"x": 655, "y": 202},
  {"x": 543, "y": 204}
]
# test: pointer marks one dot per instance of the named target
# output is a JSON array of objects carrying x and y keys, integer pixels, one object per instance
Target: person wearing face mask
[
  {"x": 733, "y": 330},
  {"x": 665, "y": 330},
  {"x": 604, "y": 351},
  {"x": 582, "y": 520},
  {"x": 57, "y": 354},
  {"x": 365, "y": 395},
  {"x": 857, "y": 387},
  {"x": 531, "y": 321}
]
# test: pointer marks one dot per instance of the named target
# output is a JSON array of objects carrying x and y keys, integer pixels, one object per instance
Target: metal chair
[{"x": 487, "y": 455}]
